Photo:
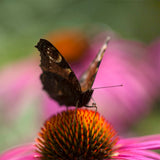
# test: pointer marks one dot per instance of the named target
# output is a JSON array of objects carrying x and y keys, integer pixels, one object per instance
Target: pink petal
[{"x": 25, "y": 152}]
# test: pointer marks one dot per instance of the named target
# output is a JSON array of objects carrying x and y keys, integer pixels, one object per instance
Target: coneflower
[{"x": 88, "y": 136}]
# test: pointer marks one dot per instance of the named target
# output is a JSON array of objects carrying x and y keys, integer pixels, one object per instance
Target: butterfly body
[{"x": 60, "y": 82}]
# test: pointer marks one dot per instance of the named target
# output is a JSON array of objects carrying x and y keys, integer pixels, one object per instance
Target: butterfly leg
[
  {"x": 75, "y": 111},
  {"x": 93, "y": 106}
]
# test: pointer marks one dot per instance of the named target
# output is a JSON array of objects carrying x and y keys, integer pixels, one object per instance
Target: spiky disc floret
[{"x": 85, "y": 136}]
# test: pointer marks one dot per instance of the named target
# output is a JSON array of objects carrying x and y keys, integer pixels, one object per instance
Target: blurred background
[{"x": 78, "y": 28}]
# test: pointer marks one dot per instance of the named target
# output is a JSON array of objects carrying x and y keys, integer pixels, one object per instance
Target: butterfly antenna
[{"x": 120, "y": 85}]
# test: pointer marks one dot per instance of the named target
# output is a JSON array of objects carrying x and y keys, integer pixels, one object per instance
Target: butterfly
[{"x": 59, "y": 80}]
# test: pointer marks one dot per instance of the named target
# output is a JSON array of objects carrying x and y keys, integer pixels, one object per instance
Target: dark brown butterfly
[{"x": 60, "y": 82}]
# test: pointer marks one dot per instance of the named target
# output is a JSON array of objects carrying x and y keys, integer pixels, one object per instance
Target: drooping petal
[
  {"x": 26, "y": 152},
  {"x": 139, "y": 148}
]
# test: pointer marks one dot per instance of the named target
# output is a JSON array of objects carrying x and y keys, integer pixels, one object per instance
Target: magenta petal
[
  {"x": 140, "y": 139},
  {"x": 139, "y": 148},
  {"x": 149, "y": 154},
  {"x": 26, "y": 152}
]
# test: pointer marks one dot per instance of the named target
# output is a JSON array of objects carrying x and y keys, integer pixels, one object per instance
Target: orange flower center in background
[
  {"x": 85, "y": 136},
  {"x": 71, "y": 44}
]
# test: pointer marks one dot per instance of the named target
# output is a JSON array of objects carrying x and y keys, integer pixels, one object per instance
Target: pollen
[{"x": 86, "y": 135}]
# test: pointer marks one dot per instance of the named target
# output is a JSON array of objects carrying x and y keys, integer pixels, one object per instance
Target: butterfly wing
[
  {"x": 88, "y": 77},
  {"x": 57, "y": 77}
]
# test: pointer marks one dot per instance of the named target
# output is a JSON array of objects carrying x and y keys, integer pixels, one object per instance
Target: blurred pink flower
[
  {"x": 124, "y": 63},
  {"x": 154, "y": 58},
  {"x": 20, "y": 84}
]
